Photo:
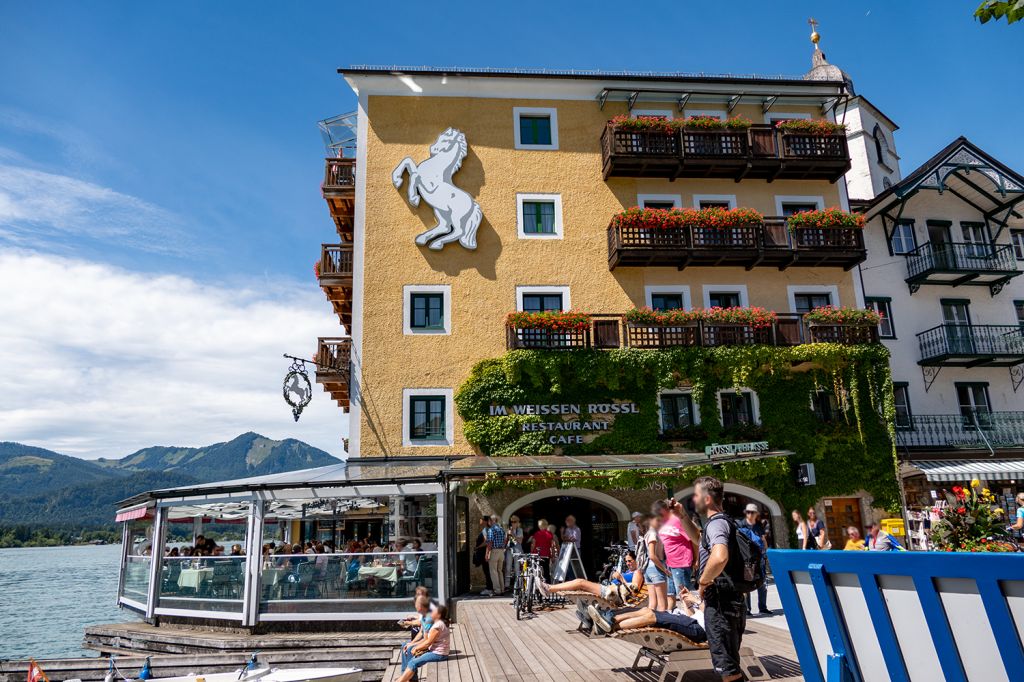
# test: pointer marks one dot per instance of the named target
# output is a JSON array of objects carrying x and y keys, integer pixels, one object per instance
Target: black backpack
[{"x": 745, "y": 570}]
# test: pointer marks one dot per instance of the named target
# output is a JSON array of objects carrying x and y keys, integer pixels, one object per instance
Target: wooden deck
[{"x": 488, "y": 644}]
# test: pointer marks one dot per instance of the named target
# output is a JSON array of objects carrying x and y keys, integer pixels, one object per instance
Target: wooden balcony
[
  {"x": 333, "y": 368},
  {"x": 336, "y": 279},
  {"x": 339, "y": 189},
  {"x": 614, "y": 331},
  {"x": 769, "y": 244},
  {"x": 971, "y": 345},
  {"x": 955, "y": 264},
  {"x": 761, "y": 152}
]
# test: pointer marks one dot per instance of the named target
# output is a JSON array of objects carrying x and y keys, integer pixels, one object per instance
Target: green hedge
[{"x": 854, "y": 452}]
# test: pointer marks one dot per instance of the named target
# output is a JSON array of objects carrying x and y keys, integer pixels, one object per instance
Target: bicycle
[
  {"x": 616, "y": 562},
  {"x": 527, "y": 578}
]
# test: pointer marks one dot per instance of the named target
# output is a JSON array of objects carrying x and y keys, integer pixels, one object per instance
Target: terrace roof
[{"x": 363, "y": 473}]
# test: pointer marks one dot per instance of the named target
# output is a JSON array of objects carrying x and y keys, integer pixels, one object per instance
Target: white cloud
[
  {"x": 100, "y": 361},
  {"x": 44, "y": 209}
]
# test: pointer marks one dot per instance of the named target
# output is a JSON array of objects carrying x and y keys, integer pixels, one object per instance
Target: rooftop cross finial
[{"x": 815, "y": 36}]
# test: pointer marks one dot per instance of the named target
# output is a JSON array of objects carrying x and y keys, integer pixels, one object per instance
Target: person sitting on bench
[
  {"x": 623, "y": 585},
  {"x": 687, "y": 619}
]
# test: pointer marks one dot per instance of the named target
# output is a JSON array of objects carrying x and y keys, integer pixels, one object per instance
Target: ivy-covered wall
[{"x": 852, "y": 452}]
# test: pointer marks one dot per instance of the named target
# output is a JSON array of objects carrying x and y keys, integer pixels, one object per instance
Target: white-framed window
[
  {"x": 654, "y": 113},
  {"x": 806, "y": 297},
  {"x": 882, "y": 306},
  {"x": 537, "y": 299},
  {"x": 738, "y": 408},
  {"x": 667, "y": 296},
  {"x": 714, "y": 200},
  {"x": 1017, "y": 239},
  {"x": 427, "y": 309},
  {"x": 774, "y": 116},
  {"x": 903, "y": 240},
  {"x": 786, "y": 205},
  {"x": 536, "y": 128},
  {"x": 677, "y": 410},
  {"x": 539, "y": 216},
  {"x": 725, "y": 296},
  {"x": 720, "y": 114},
  {"x": 659, "y": 200},
  {"x": 427, "y": 417}
]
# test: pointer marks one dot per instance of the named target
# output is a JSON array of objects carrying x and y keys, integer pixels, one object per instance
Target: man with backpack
[{"x": 728, "y": 567}]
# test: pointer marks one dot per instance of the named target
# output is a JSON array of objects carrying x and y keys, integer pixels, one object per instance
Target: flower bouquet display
[{"x": 971, "y": 522}]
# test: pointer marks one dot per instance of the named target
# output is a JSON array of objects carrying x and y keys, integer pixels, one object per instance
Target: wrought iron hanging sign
[{"x": 297, "y": 389}]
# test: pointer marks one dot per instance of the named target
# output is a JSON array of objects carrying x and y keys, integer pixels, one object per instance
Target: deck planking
[{"x": 492, "y": 646}]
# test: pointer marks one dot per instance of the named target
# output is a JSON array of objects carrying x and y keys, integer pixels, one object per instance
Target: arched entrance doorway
[
  {"x": 737, "y": 497},
  {"x": 601, "y": 518}
]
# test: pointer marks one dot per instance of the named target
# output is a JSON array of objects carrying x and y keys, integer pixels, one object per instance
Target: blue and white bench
[{"x": 903, "y": 616}]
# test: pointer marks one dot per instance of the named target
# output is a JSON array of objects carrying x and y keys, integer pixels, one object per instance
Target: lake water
[{"x": 49, "y": 594}]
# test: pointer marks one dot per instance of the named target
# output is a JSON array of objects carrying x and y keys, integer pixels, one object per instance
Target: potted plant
[
  {"x": 669, "y": 218},
  {"x": 753, "y": 317},
  {"x": 657, "y": 124},
  {"x": 714, "y": 123},
  {"x": 826, "y": 218},
  {"x": 810, "y": 126},
  {"x": 662, "y": 318}
]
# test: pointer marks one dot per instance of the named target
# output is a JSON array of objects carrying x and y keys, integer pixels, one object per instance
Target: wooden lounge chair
[
  {"x": 678, "y": 654},
  {"x": 583, "y": 600}
]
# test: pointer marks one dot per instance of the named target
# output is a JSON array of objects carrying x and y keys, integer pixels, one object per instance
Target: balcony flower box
[
  {"x": 755, "y": 318},
  {"x": 661, "y": 218},
  {"x": 845, "y": 316},
  {"x": 664, "y": 318},
  {"x": 570, "y": 321},
  {"x": 316, "y": 269},
  {"x": 828, "y": 218},
  {"x": 659, "y": 124},
  {"x": 810, "y": 126}
]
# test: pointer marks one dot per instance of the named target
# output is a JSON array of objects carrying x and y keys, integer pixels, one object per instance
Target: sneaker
[
  {"x": 486, "y": 593},
  {"x": 544, "y": 588},
  {"x": 604, "y": 621},
  {"x": 766, "y": 612}
]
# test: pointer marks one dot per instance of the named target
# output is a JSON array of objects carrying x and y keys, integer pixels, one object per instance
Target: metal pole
[
  {"x": 156, "y": 554},
  {"x": 253, "y": 564},
  {"x": 442, "y": 547}
]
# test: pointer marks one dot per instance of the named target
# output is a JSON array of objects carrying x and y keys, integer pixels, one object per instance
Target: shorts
[
  {"x": 725, "y": 617},
  {"x": 681, "y": 577},
  {"x": 654, "y": 576},
  {"x": 684, "y": 625}
]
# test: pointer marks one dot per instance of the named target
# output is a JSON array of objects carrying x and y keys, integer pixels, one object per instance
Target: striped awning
[
  {"x": 131, "y": 513},
  {"x": 957, "y": 470}
]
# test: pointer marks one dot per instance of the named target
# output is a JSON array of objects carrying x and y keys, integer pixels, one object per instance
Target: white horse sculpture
[{"x": 458, "y": 215}]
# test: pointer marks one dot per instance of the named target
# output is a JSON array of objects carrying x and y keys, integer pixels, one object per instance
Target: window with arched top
[{"x": 881, "y": 148}]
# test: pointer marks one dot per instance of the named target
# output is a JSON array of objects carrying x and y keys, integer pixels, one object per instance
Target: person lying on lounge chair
[
  {"x": 687, "y": 619},
  {"x": 623, "y": 586}
]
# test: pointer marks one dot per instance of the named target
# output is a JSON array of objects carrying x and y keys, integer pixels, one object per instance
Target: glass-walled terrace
[{"x": 319, "y": 558}]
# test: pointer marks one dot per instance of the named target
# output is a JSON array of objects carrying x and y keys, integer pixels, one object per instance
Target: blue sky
[{"x": 179, "y": 140}]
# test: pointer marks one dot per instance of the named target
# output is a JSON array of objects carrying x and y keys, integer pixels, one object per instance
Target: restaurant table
[
  {"x": 389, "y": 573},
  {"x": 194, "y": 577},
  {"x": 272, "y": 576}
]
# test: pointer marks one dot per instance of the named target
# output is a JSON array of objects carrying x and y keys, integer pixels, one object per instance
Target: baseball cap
[
  {"x": 636, "y": 514},
  {"x": 752, "y": 508}
]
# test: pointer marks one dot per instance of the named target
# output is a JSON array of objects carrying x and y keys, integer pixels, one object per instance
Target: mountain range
[{"x": 42, "y": 488}]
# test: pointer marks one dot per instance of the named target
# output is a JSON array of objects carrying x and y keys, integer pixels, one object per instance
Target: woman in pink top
[
  {"x": 678, "y": 547},
  {"x": 433, "y": 649}
]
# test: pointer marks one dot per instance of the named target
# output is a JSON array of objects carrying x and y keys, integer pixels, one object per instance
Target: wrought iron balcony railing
[
  {"x": 976, "y": 429},
  {"x": 955, "y": 264},
  {"x": 971, "y": 345},
  {"x": 768, "y": 244},
  {"x": 614, "y": 331}
]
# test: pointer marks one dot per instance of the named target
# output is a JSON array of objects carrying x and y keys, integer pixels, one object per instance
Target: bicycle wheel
[
  {"x": 519, "y": 598},
  {"x": 531, "y": 589}
]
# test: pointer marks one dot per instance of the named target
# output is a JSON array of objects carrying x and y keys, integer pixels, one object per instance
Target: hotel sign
[
  {"x": 567, "y": 431},
  {"x": 736, "y": 448}
]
